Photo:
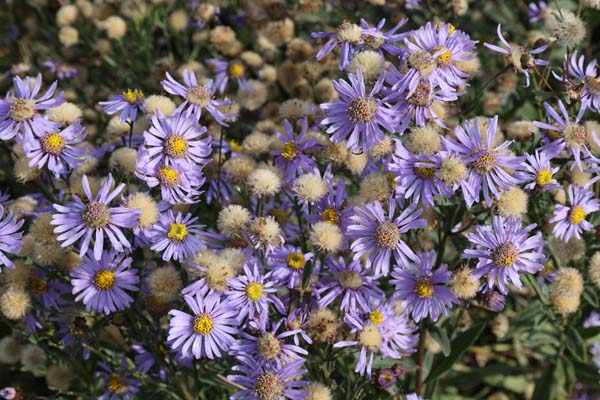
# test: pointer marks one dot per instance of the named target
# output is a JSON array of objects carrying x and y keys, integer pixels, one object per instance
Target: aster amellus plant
[{"x": 305, "y": 200}]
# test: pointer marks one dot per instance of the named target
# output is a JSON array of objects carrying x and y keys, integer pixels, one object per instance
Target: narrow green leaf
[
  {"x": 590, "y": 296},
  {"x": 458, "y": 347},
  {"x": 588, "y": 333},
  {"x": 575, "y": 343},
  {"x": 440, "y": 336},
  {"x": 544, "y": 388},
  {"x": 308, "y": 268}
]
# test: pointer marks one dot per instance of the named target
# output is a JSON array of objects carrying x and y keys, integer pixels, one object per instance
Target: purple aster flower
[
  {"x": 56, "y": 148},
  {"x": 9, "y": 393},
  {"x": 424, "y": 291},
  {"x": 356, "y": 116},
  {"x": 19, "y": 111},
  {"x": 521, "y": 59},
  {"x": 592, "y": 320},
  {"x": 101, "y": 283},
  {"x": 582, "y": 83},
  {"x": 355, "y": 286},
  {"x": 268, "y": 347},
  {"x": 176, "y": 236},
  {"x": 536, "y": 10},
  {"x": 295, "y": 321},
  {"x": 10, "y": 237},
  {"x": 128, "y": 103},
  {"x": 46, "y": 291},
  {"x": 197, "y": 97},
  {"x": 495, "y": 300},
  {"x": 569, "y": 221},
  {"x": 269, "y": 382},
  {"x": 415, "y": 176},
  {"x": 378, "y": 234},
  {"x": 229, "y": 70},
  {"x": 288, "y": 264},
  {"x": 413, "y": 4},
  {"x": 538, "y": 173},
  {"x": 432, "y": 52},
  {"x": 61, "y": 70},
  {"x": 333, "y": 208},
  {"x": 504, "y": 250},
  {"x": 207, "y": 332},
  {"x": 376, "y": 39},
  {"x": 250, "y": 294},
  {"x": 347, "y": 35},
  {"x": 564, "y": 134},
  {"x": 177, "y": 186},
  {"x": 488, "y": 164},
  {"x": 379, "y": 331},
  {"x": 119, "y": 385},
  {"x": 418, "y": 106},
  {"x": 414, "y": 396},
  {"x": 385, "y": 379},
  {"x": 175, "y": 140},
  {"x": 77, "y": 220},
  {"x": 291, "y": 158}
]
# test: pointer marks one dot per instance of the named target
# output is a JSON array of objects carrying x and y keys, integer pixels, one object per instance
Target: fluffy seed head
[
  {"x": 239, "y": 168},
  {"x": 263, "y": 182},
  {"x": 369, "y": 62},
  {"x": 463, "y": 284},
  {"x": 66, "y": 113},
  {"x": 269, "y": 346},
  {"x": 568, "y": 29},
  {"x": 33, "y": 359},
  {"x": 59, "y": 377},
  {"x": 147, "y": 206},
  {"x": 10, "y": 350},
  {"x": 15, "y": 303},
  {"x": 322, "y": 325},
  {"x": 376, "y": 186},
  {"x": 268, "y": 386},
  {"x": 512, "y": 203},
  {"x": 123, "y": 159},
  {"x": 115, "y": 27},
  {"x": 165, "y": 283},
  {"x": 233, "y": 219},
  {"x": 318, "y": 391},
  {"x": 256, "y": 143},
  {"x": 452, "y": 170},
  {"x": 310, "y": 187},
  {"x": 160, "y": 103},
  {"x": 567, "y": 282},
  {"x": 266, "y": 230},
  {"x": 66, "y": 15},
  {"x": 500, "y": 325},
  {"x": 326, "y": 237},
  {"x": 424, "y": 140},
  {"x": 594, "y": 269},
  {"x": 370, "y": 337}
]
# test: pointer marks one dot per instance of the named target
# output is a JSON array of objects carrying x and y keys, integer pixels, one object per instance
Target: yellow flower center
[
  {"x": 104, "y": 279},
  {"x": 53, "y": 143},
  {"x": 38, "y": 285},
  {"x": 424, "y": 172},
  {"x": 175, "y": 146},
  {"x": 132, "y": 96},
  {"x": 391, "y": 180},
  {"x": 424, "y": 288},
  {"x": 21, "y": 110},
  {"x": 376, "y": 317},
  {"x": 544, "y": 177},
  {"x": 505, "y": 255},
  {"x": 203, "y": 324},
  {"x": 236, "y": 69},
  {"x": 330, "y": 215},
  {"x": 254, "y": 291},
  {"x": 577, "y": 215},
  {"x": 168, "y": 177},
  {"x": 235, "y": 146},
  {"x": 486, "y": 162},
  {"x": 117, "y": 384},
  {"x": 288, "y": 151},
  {"x": 177, "y": 231},
  {"x": 444, "y": 57},
  {"x": 295, "y": 260},
  {"x": 387, "y": 235},
  {"x": 547, "y": 269}
]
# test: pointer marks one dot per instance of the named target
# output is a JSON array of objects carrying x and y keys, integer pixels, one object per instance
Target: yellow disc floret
[
  {"x": 104, "y": 279},
  {"x": 177, "y": 231}
]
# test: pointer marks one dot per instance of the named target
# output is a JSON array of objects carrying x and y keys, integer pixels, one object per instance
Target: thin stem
[
  {"x": 219, "y": 165},
  {"x": 421, "y": 356},
  {"x": 130, "y": 133}
]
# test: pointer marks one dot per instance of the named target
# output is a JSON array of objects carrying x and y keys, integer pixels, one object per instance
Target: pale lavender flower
[
  {"x": 522, "y": 59},
  {"x": 79, "y": 221},
  {"x": 225, "y": 70},
  {"x": 537, "y": 172},
  {"x": 176, "y": 236},
  {"x": 62, "y": 70},
  {"x": 177, "y": 185},
  {"x": 58, "y": 149},
  {"x": 10, "y": 237},
  {"x": 269, "y": 382},
  {"x": 119, "y": 384},
  {"x": 288, "y": 264},
  {"x": 19, "y": 111},
  {"x": 378, "y": 234},
  {"x": 127, "y": 103},
  {"x": 208, "y": 332},
  {"x": 101, "y": 283},
  {"x": 569, "y": 221},
  {"x": 423, "y": 291},
  {"x": 504, "y": 250},
  {"x": 582, "y": 83},
  {"x": 490, "y": 166},
  {"x": 536, "y": 10},
  {"x": 250, "y": 294},
  {"x": 196, "y": 97},
  {"x": 376, "y": 39},
  {"x": 291, "y": 159},
  {"x": 358, "y": 116},
  {"x": 347, "y": 35}
]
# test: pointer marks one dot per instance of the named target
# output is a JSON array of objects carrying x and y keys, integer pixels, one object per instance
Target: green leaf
[
  {"x": 440, "y": 336},
  {"x": 308, "y": 268},
  {"x": 586, "y": 372},
  {"x": 575, "y": 343},
  {"x": 544, "y": 388},
  {"x": 590, "y": 296},
  {"x": 459, "y": 346},
  {"x": 588, "y": 333}
]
